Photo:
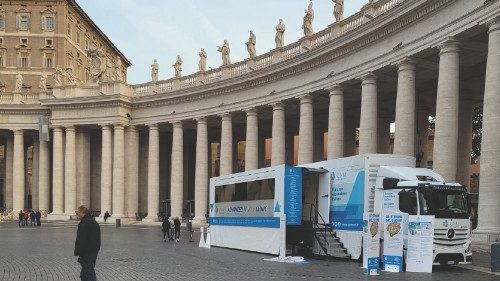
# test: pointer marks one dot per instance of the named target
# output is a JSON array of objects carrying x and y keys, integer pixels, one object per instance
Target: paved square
[{"x": 139, "y": 253}]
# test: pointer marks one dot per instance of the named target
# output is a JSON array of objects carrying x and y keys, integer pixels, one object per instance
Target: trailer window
[{"x": 245, "y": 191}]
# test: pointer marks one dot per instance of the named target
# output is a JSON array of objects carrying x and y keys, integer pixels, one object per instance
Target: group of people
[
  {"x": 29, "y": 217},
  {"x": 166, "y": 228}
]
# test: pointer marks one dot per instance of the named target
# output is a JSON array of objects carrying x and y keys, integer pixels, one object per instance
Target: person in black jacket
[
  {"x": 177, "y": 227},
  {"x": 165, "y": 228},
  {"x": 87, "y": 244}
]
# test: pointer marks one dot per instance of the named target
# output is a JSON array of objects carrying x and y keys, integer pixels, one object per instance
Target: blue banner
[
  {"x": 244, "y": 221},
  {"x": 293, "y": 195},
  {"x": 347, "y": 205},
  {"x": 373, "y": 266}
]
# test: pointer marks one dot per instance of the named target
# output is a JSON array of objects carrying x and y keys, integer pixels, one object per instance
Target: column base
[
  {"x": 150, "y": 219},
  {"x": 486, "y": 234},
  {"x": 199, "y": 220},
  {"x": 58, "y": 217}
]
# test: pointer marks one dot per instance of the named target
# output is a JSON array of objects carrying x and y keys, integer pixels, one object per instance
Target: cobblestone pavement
[{"x": 139, "y": 253}]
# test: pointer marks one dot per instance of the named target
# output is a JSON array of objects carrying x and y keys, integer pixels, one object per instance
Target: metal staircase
[{"x": 325, "y": 242}]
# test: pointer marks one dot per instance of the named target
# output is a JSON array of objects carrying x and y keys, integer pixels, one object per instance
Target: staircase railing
[{"x": 316, "y": 219}]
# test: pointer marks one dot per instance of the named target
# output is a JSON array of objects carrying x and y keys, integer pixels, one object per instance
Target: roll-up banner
[
  {"x": 393, "y": 241},
  {"x": 371, "y": 243},
  {"x": 419, "y": 255}
]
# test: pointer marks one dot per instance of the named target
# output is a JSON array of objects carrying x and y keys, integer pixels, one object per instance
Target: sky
[{"x": 145, "y": 30}]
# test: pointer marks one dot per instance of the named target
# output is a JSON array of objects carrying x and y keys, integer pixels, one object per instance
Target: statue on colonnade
[
  {"x": 280, "y": 34},
  {"x": 225, "y": 50},
  {"x": 178, "y": 67},
  {"x": 43, "y": 82},
  {"x": 338, "y": 10},
  {"x": 19, "y": 83},
  {"x": 58, "y": 76},
  {"x": 202, "y": 64},
  {"x": 252, "y": 40},
  {"x": 154, "y": 71},
  {"x": 308, "y": 20}
]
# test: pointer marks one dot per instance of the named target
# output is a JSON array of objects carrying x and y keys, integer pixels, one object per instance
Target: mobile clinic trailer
[{"x": 258, "y": 210}]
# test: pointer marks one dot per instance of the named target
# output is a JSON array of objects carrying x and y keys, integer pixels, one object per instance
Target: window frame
[{"x": 20, "y": 24}]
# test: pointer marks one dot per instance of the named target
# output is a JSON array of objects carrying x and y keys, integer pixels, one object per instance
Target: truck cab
[{"x": 419, "y": 191}]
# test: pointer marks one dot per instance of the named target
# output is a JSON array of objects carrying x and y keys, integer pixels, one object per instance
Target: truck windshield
[{"x": 444, "y": 203}]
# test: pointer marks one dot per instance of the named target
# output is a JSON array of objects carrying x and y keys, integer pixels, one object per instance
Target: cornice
[{"x": 346, "y": 44}]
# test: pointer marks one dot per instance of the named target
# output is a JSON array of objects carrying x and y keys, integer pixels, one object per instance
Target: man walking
[
  {"x": 177, "y": 227},
  {"x": 87, "y": 244}
]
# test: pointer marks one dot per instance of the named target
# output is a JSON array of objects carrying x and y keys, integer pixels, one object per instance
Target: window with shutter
[
  {"x": 2, "y": 22},
  {"x": 23, "y": 22}
]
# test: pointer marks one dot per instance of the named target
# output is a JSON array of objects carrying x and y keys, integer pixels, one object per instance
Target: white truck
[{"x": 374, "y": 182}]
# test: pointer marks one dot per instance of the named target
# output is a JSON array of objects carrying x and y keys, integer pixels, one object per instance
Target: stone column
[
  {"x": 70, "y": 172},
  {"x": 18, "y": 183},
  {"x": 368, "y": 117},
  {"x": 446, "y": 133},
  {"x": 106, "y": 169},
  {"x": 226, "y": 145},
  {"x": 335, "y": 148},
  {"x": 58, "y": 172},
  {"x": 35, "y": 173},
  {"x": 252, "y": 141},
  {"x": 278, "y": 156},
  {"x": 44, "y": 177},
  {"x": 464, "y": 142},
  {"x": 306, "y": 130},
  {"x": 404, "y": 137},
  {"x": 489, "y": 195},
  {"x": 83, "y": 167},
  {"x": 132, "y": 171},
  {"x": 9, "y": 161},
  {"x": 153, "y": 173},
  {"x": 119, "y": 171},
  {"x": 201, "y": 172},
  {"x": 177, "y": 175}
]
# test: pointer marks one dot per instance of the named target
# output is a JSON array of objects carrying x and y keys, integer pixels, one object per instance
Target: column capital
[
  {"x": 406, "y": 64},
  {"x": 105, "y": 126},
  {"x": 152, "y": 126},
  {"x": 335, "y": 89},
  {"x": 201, "y": 120},
  {"x": 70, "y": 128},
  {"x": 493, "y": 25},
  {"x": 131, "y": 128},
  {"x": 368, "y": 78},
  {"x": 57, "y": 128},
  {"x": 278, "y": 106},
  {"x": 119, "y": 126},
  {"x": 305, "y": 98},
  {"x": 226, "y": 116},
  {"x": 18, "y": 131},
  {"x": 251, "y": 111},
  {"x": 177, "y": 124},
  {"x": 450, "y": 45}
]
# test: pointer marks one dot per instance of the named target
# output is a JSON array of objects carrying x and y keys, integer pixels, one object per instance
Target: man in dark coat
[
  {"x": 165, "y": 228},
  {"x": 177, "y": 227},
  {"x": 87, "y": 244},
  {"x": 38, "y": 216}
]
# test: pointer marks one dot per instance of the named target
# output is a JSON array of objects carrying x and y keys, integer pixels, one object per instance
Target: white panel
[{"x": 256, "y": 239}]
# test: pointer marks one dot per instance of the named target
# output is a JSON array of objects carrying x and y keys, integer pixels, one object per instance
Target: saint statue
[
  {"x": 225, "y": 53},
  {"x": 178, "y": 67},
  {"x": 202, "y": 64},
  {"x": 43, "y": 82},
  {"x": 338, "y": 10},
  {"x": 308, "y": 20},
  {"x": 19, "y": 83},
  {"x": 71, "y": 77},
  {"x": 118, "y": 69},
  {"x": 154, "y": 71},
  {"x": 96, "y": 64},
  {"x": 280, "y": 34},
  {"x": 58, "y": 77},
  {"x": 252, "y": 40}
]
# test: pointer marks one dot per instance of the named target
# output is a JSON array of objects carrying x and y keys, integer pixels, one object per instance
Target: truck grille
[{"x": 450, "y": 237}]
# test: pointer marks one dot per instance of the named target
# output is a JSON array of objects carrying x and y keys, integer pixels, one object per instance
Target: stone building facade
[{"x": 150, "y": 147}]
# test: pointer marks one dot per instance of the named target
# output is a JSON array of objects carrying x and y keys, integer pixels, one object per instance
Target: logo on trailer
[{"x": 451, "y": 233}]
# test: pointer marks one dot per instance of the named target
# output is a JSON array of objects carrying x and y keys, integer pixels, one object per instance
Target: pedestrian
[
  {"x": 21, "y": 217},
  {"x": 26, "y": 216},
  {"x": 38, "y": 217},
  {"x": 32, "y": 218},
  {"x": 165, "y": 228},
  {"x": 87, "y": 244},
  {"x": 177, "y": 227},
  {"x": 106, "y": 216}
]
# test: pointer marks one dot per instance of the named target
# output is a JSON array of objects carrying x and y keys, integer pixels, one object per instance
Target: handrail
[{"x": 315, "y": 217}]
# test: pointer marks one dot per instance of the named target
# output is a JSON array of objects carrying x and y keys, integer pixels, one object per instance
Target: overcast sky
[{"x": 144, "y": 30}]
